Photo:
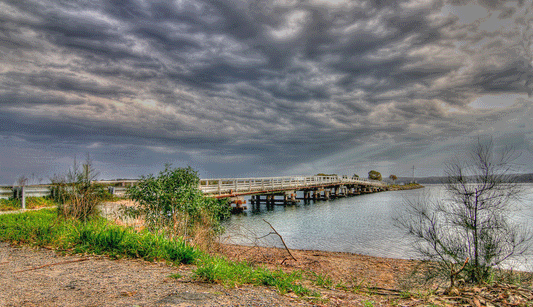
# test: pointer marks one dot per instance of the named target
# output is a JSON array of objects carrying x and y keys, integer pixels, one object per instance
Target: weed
[
  {"x": 357, "y": 285},
  {"x": 96, "y": 236},
  {"x": 175, "y": 276},
  {"x": 76, "y": 195},
  {"x": 320, "y": 280},
  {"x": 368, "y": 303}
]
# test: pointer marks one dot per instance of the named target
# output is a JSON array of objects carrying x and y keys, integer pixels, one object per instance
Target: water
[{"x": 361, "y": 224}]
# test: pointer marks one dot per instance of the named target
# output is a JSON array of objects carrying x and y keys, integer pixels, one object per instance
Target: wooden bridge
[
  {"x": 267, "y": 189},
  {"x": 261, "y": 189},
  {"x": 230, "y": 187}
]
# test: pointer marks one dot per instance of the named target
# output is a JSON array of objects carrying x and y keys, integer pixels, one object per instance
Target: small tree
[
  {"x": 393, "y": 178},
  {"x": 471, "y": 232},
  {"x": 374, "y": 175},
  {"x": 172, "y": 202}
]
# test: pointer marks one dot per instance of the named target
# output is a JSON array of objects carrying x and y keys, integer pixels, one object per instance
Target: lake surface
[{"x": 360, "y": 224}]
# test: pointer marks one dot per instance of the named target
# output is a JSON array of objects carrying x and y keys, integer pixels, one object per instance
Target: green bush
[
  {"x": 35, "y": 228},
  {"x": 172, "y": 202},
  {"x": 117, "y": 241}
]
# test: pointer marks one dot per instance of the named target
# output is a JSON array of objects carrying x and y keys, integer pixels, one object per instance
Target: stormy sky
[{"x": 238, "y": 88}]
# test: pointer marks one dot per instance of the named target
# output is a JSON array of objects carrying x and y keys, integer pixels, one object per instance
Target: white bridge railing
[
  {"x": 220, "y": 186},
  {"x": 225, "y": 186}
]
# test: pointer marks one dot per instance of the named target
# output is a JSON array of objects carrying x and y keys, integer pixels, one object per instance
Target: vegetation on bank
[
  {"x": 409, "y": 186},
  {"x": 177, "y": 218},
  {"x": 374, "y": 175},
  {"x": 44, "y": 228},
  {"x": 171, "y": 202},
  {"x": 76, "y": 195}
]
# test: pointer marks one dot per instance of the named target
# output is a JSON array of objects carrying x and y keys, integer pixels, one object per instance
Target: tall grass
[
  {"x": 34, "y": 228},
  {"x": 96, "y": 236},
  {"x": 101, "y": 237}
]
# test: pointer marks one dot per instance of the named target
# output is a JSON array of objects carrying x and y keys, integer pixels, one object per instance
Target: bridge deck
[{"x": 224, "y": 187}]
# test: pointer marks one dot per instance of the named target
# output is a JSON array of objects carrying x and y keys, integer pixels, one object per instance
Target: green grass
[
  {"x": 231, "y": 274},
  {"x": 9, "y": 204},
  {"x": 321, "y": 280},
  {"x": 97, "y": 236},
  {"x": 102, "y": 237},
  {"x": 31, "y": 203}
]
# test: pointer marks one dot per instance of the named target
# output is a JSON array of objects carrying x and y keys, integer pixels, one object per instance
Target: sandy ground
[{"x": 42, "y": 277}]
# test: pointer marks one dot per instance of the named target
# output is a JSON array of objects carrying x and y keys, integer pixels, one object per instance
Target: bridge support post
[
  {"x": 289, "y": 197},
  {"x": 237, "y": 204}
]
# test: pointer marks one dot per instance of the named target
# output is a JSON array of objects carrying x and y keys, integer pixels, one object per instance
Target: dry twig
[
  {"x": 282, "y": 241},
  {"x": 52, "y": 264}
]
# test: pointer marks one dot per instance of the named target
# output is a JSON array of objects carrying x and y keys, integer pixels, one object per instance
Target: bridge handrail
[
  {"x": 222, "y": 186},
  {"x": 240, "y": 185}
]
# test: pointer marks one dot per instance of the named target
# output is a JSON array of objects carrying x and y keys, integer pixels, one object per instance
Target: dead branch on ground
[
  {"x": 282, "y": 241},
  {"x": 52, "y": 264}
]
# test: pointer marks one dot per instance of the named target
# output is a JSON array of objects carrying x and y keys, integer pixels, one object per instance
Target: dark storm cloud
[{"x": 265, "y": 84}]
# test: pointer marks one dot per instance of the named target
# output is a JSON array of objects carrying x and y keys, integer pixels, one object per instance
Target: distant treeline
[{"x": 436, "y": 180}]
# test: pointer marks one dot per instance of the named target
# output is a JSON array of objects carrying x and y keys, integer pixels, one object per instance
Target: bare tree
[
  {"x": 75, "y": 192},
  {"x": 470, "y": 232}
]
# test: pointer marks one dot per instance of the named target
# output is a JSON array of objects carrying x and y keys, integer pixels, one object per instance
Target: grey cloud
[{"x": 223, "y": 77}]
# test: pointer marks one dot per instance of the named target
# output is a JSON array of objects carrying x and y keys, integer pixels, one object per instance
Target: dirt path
[{"x": 40, "y": 277}]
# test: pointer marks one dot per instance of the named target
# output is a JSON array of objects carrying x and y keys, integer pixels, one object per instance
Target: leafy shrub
[{"x": 172, "y": 203}]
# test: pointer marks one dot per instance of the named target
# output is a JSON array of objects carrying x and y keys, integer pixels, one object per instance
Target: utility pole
[{"x": 413, "y": 180}]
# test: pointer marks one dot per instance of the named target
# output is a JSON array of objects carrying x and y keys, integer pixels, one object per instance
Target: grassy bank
[
  {"x": 31, "y": 203},
  {"x": 410, "y": 186},
  {"x": 99, "y": 236}
]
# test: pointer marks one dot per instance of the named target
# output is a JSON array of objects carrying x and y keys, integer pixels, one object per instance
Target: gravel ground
[{"x": 41, "y": 277}]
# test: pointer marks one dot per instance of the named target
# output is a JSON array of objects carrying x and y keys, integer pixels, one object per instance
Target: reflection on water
[{"x": 361, "y": 224}]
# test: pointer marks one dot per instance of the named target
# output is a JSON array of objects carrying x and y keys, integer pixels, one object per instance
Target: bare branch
[
  {"x": 472, "y": 223},
  {"x": 282, "y": 241}
]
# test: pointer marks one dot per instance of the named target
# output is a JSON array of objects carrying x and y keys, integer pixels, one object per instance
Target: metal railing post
[{"x": 23, "y": 190}]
